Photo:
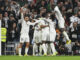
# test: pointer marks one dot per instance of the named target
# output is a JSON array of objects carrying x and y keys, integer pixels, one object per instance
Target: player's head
[
  {"x": 48, "y": 14},
  {"x": 26, "y": 17},
  {"x": 44, "y": 14},
  {"x": 52, "y": 16},
  {"x": 53, "y": 6}
]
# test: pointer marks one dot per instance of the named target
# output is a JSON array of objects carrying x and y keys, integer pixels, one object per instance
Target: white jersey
[
  {"x": 25, "y": 30},
  {"x": 25, "y": 26},
  {"x": 42, "y": 23},
  {"x": 45, "y": 30},
  {"x": 51, "y": 25},
  {"x": 52, "y": 30},
  {"x": 46, "y": 23},
  {"x": 59, "y": 17},
  {"x": 37, "y": 33}
]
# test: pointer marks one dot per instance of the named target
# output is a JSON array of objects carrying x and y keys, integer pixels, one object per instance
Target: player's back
[{"x": 52, "y": 26}]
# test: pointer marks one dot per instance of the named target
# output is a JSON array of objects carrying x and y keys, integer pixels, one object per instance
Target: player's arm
[
  {"x": 34, "y": 23},
  {"x": 22, "y": 15},
  {"x": 43, "y": 26},
  {"x": 48, "y": 20},
  {"x": 57, "y": 11}
]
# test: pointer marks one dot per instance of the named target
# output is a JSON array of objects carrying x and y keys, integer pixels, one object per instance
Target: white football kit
[
  {"x": 24, "y": 37},
  {"x": 47, "y": 34},
  {"x": 59, "y": 17},
  {"x": 37, "y": 34},
  {"x": 52, "y": 30},
  {"x": 44, "y": 30}
]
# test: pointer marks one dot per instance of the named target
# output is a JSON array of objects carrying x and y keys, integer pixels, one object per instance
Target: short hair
[
  {"x": 26, "y": 15},
  {"x": 44, "y": 14},
  {"x": 52, "y": 16}
]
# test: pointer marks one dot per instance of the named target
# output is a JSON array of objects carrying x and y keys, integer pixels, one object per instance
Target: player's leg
[
  {"x": 44, "y": 48},
  {"x": 40, "y": 49},
  {"x": 20, "y": 48},
  {"x": 47, "y": 43},
  {"x": 62, "y": 28},
  {"x": 20, "y": 45},
  {"x": 52, "y": 39},
  {"x": 54, "y": 52},
  {"x": 65, "y": 35},
  {"x": 34, "y": 49},
  {"x": 27, "y": 48},
  {"x": 27, "y": 45},
  {"x": 44, "y": 44},
  {"x": 40, "y": 43},
  {"x": 48, "y": 48}
]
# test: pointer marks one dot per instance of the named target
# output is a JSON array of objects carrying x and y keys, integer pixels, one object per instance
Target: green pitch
[{"x": 40, "y": 58}]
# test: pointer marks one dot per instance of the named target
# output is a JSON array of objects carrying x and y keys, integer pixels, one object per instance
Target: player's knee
[
  {"x": 27, "y": 44},
  {"x": 20, "y": 46}
]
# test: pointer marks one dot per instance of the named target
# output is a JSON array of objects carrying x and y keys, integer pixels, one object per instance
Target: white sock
[
  {"x": 19, "y": 51},
  {"x": 66, "y": 35},
  {"x": 26, "y": 50},
  {"x": 34, "y": 48},
  {"x": 40, "y": 49},
  {"x": 53, "y": 47},
  {"x": 44, "y": 48}
]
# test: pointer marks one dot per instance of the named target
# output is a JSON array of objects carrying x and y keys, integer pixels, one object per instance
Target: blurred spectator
[
  {"x": 77, "y": 8},
  {"x": 6, "y": 19},
  {"x": 11, "y": 27}
]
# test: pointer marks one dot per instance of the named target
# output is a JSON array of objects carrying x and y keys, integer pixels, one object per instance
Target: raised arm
[{"x": 22, "y": 15}]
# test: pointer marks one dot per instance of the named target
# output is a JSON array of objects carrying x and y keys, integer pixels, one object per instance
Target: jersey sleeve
[{"x": 30, "y": 23}]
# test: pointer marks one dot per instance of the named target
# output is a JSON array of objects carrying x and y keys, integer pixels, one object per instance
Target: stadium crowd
[{"x": 70, "y": 9}]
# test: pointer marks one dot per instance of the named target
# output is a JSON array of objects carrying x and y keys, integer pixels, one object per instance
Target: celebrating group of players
[{"x": 44, "y": 32}]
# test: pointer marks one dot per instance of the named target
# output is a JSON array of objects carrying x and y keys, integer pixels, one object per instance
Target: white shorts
[
  {"x": 24, "y": 38},
  {"x": 52, "y": 36},
  {"x": 45, "y": 36},
  {"x": 61, "y": 23},
  {"x": 37, "y": 37}
]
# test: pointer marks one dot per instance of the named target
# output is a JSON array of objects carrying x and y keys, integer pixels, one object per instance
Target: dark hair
[
  {"x": 52, "y": 16},
  {"x": 26, "y": 15},
  {"x": 44, "y": 14}
]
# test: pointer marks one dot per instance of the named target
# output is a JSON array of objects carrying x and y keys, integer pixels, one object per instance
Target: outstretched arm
[{"x": 30, "y": 23}]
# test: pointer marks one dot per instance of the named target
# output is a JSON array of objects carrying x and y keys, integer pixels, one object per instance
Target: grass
[{"x": 40, "y": 58}]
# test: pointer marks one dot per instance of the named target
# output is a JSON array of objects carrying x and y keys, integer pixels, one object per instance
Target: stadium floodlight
[{"x": 0, "y": 37}]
